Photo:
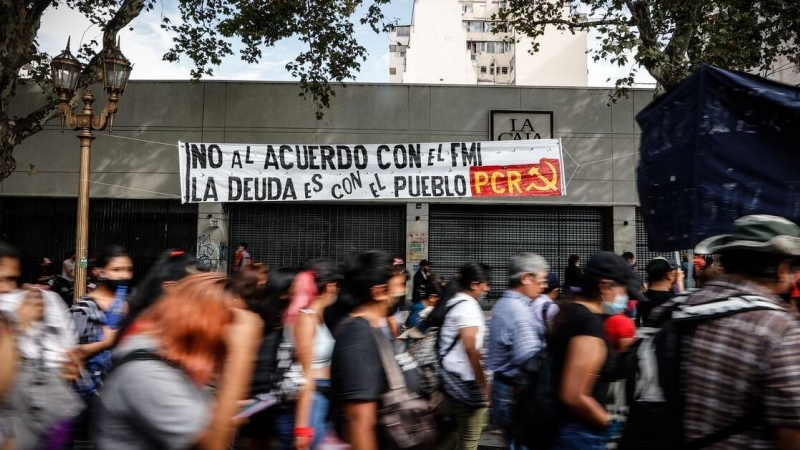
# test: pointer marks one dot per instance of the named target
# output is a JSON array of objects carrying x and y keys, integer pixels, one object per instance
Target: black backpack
[
  {"x": 535, "y": 418},
  {"x": 654, "y": 394}
]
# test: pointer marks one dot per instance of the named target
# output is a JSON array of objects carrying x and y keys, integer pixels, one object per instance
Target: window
[
  {"x": 397, "y": 48},
  {"x": 495, "y": 47},
  {"x": 502, "y": 6},
  {"x": 475, "y": 26},
  {"x": 466, "y": 8},
  {"x": 504, "y": 69},
  {"x": 483, "y": 69},
  {"x": 403, "y": 31},
  {"x": 491, "y": 70},
  {"x": 392, "y": 71}
]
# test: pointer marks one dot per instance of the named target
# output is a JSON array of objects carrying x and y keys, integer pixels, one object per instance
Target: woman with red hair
[
  {"x": 314, "y": 289},
  {"x": 156, "y": 396}
]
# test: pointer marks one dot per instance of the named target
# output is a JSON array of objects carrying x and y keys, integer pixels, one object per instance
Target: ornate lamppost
[{"x": 66, "y": 70}]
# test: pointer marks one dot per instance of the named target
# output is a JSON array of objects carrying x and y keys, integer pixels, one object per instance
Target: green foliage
[
  {"x": 210, "y": 28},
  {"x": 207, "y": 32},
  {"x": 671, "y": 38}
]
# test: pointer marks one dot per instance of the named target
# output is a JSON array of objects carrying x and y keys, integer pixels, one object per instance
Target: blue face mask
[{"x": 618, "y": 306}]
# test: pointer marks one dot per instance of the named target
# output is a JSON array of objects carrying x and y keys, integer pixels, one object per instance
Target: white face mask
[{"x": 617, "y": 306}]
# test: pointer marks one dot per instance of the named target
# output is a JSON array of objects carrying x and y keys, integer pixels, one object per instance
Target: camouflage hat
[{"x": 761, "y": 233}]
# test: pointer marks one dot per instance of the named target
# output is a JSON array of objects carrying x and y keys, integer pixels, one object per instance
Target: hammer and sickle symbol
[{"x": 548, "y": 184}]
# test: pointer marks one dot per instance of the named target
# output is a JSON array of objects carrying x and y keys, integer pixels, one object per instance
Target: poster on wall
[{"x": 216, "y": 172}]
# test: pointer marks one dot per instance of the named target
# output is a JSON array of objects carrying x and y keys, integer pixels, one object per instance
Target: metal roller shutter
[
  {"x": 493, "y": 234},
  {"x": 45, "y": 227},
  {"x": 285, "y": 235}
]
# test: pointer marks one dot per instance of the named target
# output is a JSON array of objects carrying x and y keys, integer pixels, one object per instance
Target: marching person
[{"x": 514, "y": 335}]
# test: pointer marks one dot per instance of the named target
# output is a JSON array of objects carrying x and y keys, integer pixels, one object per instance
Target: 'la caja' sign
[{"x": 521, "y": 125}]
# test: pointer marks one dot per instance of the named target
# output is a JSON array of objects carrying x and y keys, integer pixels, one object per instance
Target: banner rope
[
  {"x": 137, "y": 139},
  {"x": 135, "y": 189},
  {"x": 579, "y": 165}
]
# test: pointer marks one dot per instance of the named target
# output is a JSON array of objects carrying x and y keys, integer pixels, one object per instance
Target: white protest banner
[{"x": 213, "y": 172}]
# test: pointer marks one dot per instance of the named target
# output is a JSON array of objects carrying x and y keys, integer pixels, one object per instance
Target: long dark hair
[
  {"x": 106, "y": 254},
  {"x": 362, "y": 271},
  {"x": 245, "y": 283},
  {"x": 273, "y": 304},
  {"x": 171, "y": 265},
  {"x": 471, "y": 272}
]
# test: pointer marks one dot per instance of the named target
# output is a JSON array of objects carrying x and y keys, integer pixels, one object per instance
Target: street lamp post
[{"x": 66, "y": 70}]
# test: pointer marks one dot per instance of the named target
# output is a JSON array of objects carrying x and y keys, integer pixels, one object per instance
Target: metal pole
[{"x": 82, "y": 228}]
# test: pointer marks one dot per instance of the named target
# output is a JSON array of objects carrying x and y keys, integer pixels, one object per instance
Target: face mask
[
  {"x": 618, "y": 306},
  {"x": 114, "y": 285}
]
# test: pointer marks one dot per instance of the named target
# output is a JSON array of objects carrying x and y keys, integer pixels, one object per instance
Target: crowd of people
[{"x": 304, "y": 357}]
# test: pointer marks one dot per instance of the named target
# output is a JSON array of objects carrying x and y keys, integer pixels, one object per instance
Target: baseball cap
[
  {"x": 611, "y": 266},
  {"x": 660, "y": 265}
]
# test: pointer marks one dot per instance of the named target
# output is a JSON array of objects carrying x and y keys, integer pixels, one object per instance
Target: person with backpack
[
  {"x": 460, "y": 344},
  {"x": 583, "y": 359},
  {"x": 515, "y": 334},
  {"x": 156, "y": 395},
  {"x": 314, "y": 289},
  {"x": 98, "y": 315},
  {"x": 374, "y": 401},
  {"x": 727, "y": 355},
  {"x": 97, "y": 318},
  {"x": 260, "y": 429}
]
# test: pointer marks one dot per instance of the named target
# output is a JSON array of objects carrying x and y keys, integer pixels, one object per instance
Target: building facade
[
  {"x": 458, "y": 42},
  {"x": 135, "y": 182}
]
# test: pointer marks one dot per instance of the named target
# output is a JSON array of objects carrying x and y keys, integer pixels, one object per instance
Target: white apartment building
[{"x": 453, "y": 42}]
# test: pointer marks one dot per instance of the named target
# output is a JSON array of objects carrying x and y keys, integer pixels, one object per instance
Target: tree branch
[
  {"x": 38, "y": 7},
  {"x": 32, "y": 123},
  {"x": 581, "y": 25}
]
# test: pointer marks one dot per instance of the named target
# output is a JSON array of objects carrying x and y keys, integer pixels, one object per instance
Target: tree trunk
[{"x": 7, "y": 162}]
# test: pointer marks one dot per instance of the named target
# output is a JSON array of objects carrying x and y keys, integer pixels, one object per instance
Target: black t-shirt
[
  {"x": 572, "y": 277},
  {"x": 356, "y": 370},
  {"x": 656, "y": 299},
  {"x": 577, "y": 320}
]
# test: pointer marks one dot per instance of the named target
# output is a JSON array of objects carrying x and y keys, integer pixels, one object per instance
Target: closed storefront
[
  {"x": 493, "y": 234},
  {"x": 45, "y": 227},
  {"x": 285, "y": 235}
]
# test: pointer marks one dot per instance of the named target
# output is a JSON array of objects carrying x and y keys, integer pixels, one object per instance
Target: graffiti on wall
[{"x": 212, "y": 250}]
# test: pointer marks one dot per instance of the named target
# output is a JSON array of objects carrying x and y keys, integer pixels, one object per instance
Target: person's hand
[
  {"x": 244, "y": 334},
  {"x": 681, "y": 275},
  {"x": 70, "y": 370}
]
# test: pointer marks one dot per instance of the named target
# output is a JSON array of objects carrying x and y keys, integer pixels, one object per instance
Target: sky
[{"x": 147, "y": 43}]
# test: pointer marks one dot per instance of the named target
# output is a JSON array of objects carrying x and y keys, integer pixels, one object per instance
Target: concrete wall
[{"x": 140, "y": 158}]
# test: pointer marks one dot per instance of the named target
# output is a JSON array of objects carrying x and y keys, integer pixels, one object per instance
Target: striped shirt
[
  {"x": 513, "y": 334},
  {"x": 739, "y": 362}
]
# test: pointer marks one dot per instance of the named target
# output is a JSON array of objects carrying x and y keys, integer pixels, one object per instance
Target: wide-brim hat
[{"x": 761, "y": 233}]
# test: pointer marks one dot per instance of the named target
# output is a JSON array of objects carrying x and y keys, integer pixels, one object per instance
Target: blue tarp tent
[{"x": 719, "y": 146}]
